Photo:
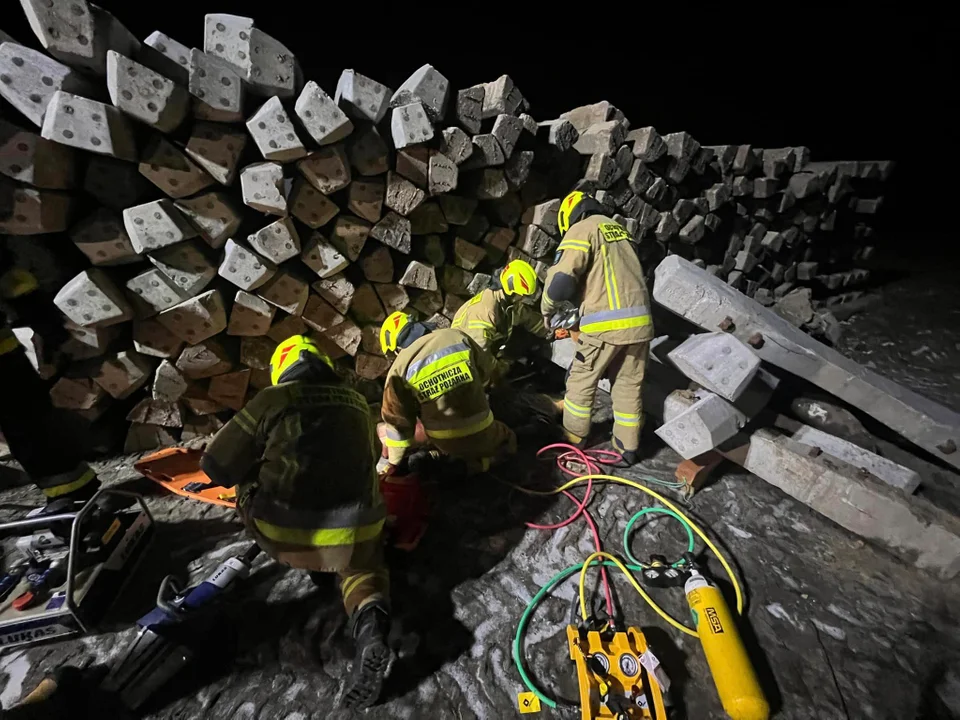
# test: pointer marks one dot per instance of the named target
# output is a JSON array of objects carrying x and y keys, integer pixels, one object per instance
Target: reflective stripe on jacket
[{"x": 598, "y": 255}]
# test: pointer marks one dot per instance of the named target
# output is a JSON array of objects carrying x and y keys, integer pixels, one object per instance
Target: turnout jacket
[
  {"x": 303, "y": 455},
  {"x": 489, "y": 318},
  {"x": 598, "y": 265},
  {"x": 440, "y": 379}
]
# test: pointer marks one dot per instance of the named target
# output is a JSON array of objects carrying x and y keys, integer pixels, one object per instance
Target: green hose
[
  {"x": 663, "y": 511},
  {"x": 567, "y": 572}
]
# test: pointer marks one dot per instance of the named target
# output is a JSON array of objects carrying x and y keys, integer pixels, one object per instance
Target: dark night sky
[{"x": 872, "y": 85}]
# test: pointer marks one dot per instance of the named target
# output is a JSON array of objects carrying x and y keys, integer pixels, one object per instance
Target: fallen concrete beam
[
  {"x": 910, "y": 527},
  {"x": 696, "y": 295}
]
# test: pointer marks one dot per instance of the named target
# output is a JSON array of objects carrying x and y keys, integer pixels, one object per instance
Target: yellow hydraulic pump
[{"x": 619, "y": 678}]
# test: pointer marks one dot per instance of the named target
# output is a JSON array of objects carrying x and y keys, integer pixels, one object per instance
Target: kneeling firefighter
[
  {"x": 491, "y": 316},
  {"x": 440, "y": 377},
  {"x": 303, "y": 456},
  {"x": 597, "y": 268}
]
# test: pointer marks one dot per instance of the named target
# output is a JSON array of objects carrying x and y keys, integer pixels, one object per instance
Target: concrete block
[
  {"x": 155, "y": 225},
  {"x": 141, "y": 438},
  {"x": 124, "y": 374},
  {"x": 428, "y": 219},
  {"x": 84, "y": 343},
  {"x": 72, "y": 42},
  {"x": 419, "y": 275},
  {"x": 469, "y": 108},
  {"x": 457, "y": 210},
  {"x": 377, "y": 266},
  {"x": 366, "y": 306},
  {"x": 414, "y": 163},
  {"x": 409, "y": 125},
  {"x": 560, "y": 133},
  {"x": 486, "y": 153},
  {"x": 393, "y": 231},
  {"x": 217, "y": 86},
  {"x": 29, "y": 79},
  {"x": 480, "y": 282},
  {"x": 693, "y": 231},
  {"x": 36, "y": 212},
  {"x": 455, "y": 280},
  {"x": 153, "y": 291},
  {"x": 393, "y": 297},
  {"x": 432, "y": 250},
  {"x": 706, "y": 301},
  {"x": 89, "y": 125},
  {"x": 152, "y": 411},
  {"x": 507, "y": 129},
  {"x": 213, "y": 215},
  {"x": 365, "y": 198},
  {"x": 284, "y": 327},
  {"x": 66, "y": 32},
  {"x": 319, "y": 314},
  {"x": 153, "y": 339},
  {"x": 368, "y": 152},
  {"x": 203, "y": 360},
  {"x": 277, "y": 242},
  {"x": 186, "y": 265},
  {"x": 349, "y": 235},
  {"x": 262, "y": 186},
  {"x": 487, "y": 184},
  {"x": 28, "y": 158},
  {"x": 91, "y": 299},
  {"x": 517, "y": 168},
  {"x": 322, "y": 257},
  {"x": 115, "y": 184},
  {"x": 287, "y": 292},
  {"x": 442, "y": 174},
  {"x": 196, "y": 319},
  {"x": 216, "y": 148},
  {"x": 346, "y": 336},
  {"x": 256, "y": 351},
  {"x": 328, "y": 169},
  {"x": 268, "y": 67},
  {"x": 250, "y": 315},
  {"x": 427, "y": 87},
  {"x": 76, "y": 393},
  {"x": 274, "y": 133},
  {"x": 230, "y": 389},
  {"x": 166, "y": 56},
  {"x": 796, "y": 307},
  {"x": 323, "y": 120},
  {"x": 310, "y": 206},
  {"x": 543, "y": 215},
  {"x": 336, "y": 290},
  {"x": 362, "y": 98},
  {"x": 452, "y": 303},
  {"x": 911, "y": 528},
  {"x": 497, "y": 240},
  {"x": 438, "y": 321},
  {"x": 172, "y": 171},
  {"x": 371, "y": 367},
  {"x": 586, "y": 115},
  {"x": 426, "y": 303},
  {"x": 605, "y": 137},
  {"x": 199, "y": 402},
  {"x": 244, "y": 268},
  {"x": 456, "y": 144},
  {"x": 146, "y": 95},
  {"x": 717, "y": 361},
  {"x": 402, "y": 195},
  {"x": 648, "y": 146},
  {"x": 197, "y": 428},
  {"x": 705, "y": 424},
  {"x": 467, "y": 255},
  {"x": 535, "y": 242},
  {"x": 501, "y": 97}
]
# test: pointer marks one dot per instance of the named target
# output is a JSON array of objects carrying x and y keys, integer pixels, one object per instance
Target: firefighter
[
  {"x": 48, "y": 450},
  {"x": 303, "y": 455},
  {"x": 597, "y": 269},
  {"x": 440, "y": 377},
  {"x": 490, "y": 316}
]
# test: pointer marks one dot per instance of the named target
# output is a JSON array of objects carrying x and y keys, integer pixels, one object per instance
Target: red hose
[{"x": 589, "y": 458}]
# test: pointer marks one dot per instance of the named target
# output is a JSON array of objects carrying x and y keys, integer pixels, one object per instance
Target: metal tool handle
[{"x": 169, "y": 590}]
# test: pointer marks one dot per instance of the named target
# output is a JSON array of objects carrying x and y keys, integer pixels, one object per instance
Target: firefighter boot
[
  {"x": 372, "y": 656},
  {"x": 629, "y": 456}
]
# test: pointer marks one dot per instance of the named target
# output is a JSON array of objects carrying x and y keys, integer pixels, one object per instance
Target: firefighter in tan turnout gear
[
  {"x": 491, "y": 316},
  {"x": 303, "y": 455},
  {"x": 440, "y": 377},
  {"x": 598, "y": 270}
]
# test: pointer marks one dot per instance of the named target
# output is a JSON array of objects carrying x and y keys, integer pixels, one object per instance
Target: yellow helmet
[
  {"x": 566, "y": 208},
  {"x": 391, "y": 330},
  {"x": 518, "y": 278},
  {"x": 290, "y": 352}
]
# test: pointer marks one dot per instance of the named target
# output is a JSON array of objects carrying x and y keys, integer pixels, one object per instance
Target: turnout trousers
[{"x": 624, "y": 366}]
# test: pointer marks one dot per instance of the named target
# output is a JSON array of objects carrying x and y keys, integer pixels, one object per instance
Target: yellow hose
[
  {"x": 709, "y": 543},
  {"x": 636, "y": 586}
]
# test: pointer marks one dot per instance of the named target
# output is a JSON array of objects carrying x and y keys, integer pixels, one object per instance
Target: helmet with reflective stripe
[
  {"x": 566, "y": 209},
  {"x": 518, "y": 278},
  {"x": 290, "y": 352},
  {"x": 392, "y": 329}
]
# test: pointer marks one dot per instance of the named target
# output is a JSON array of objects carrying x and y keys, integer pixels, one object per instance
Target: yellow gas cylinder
[{"x": 732, "y": 672}]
